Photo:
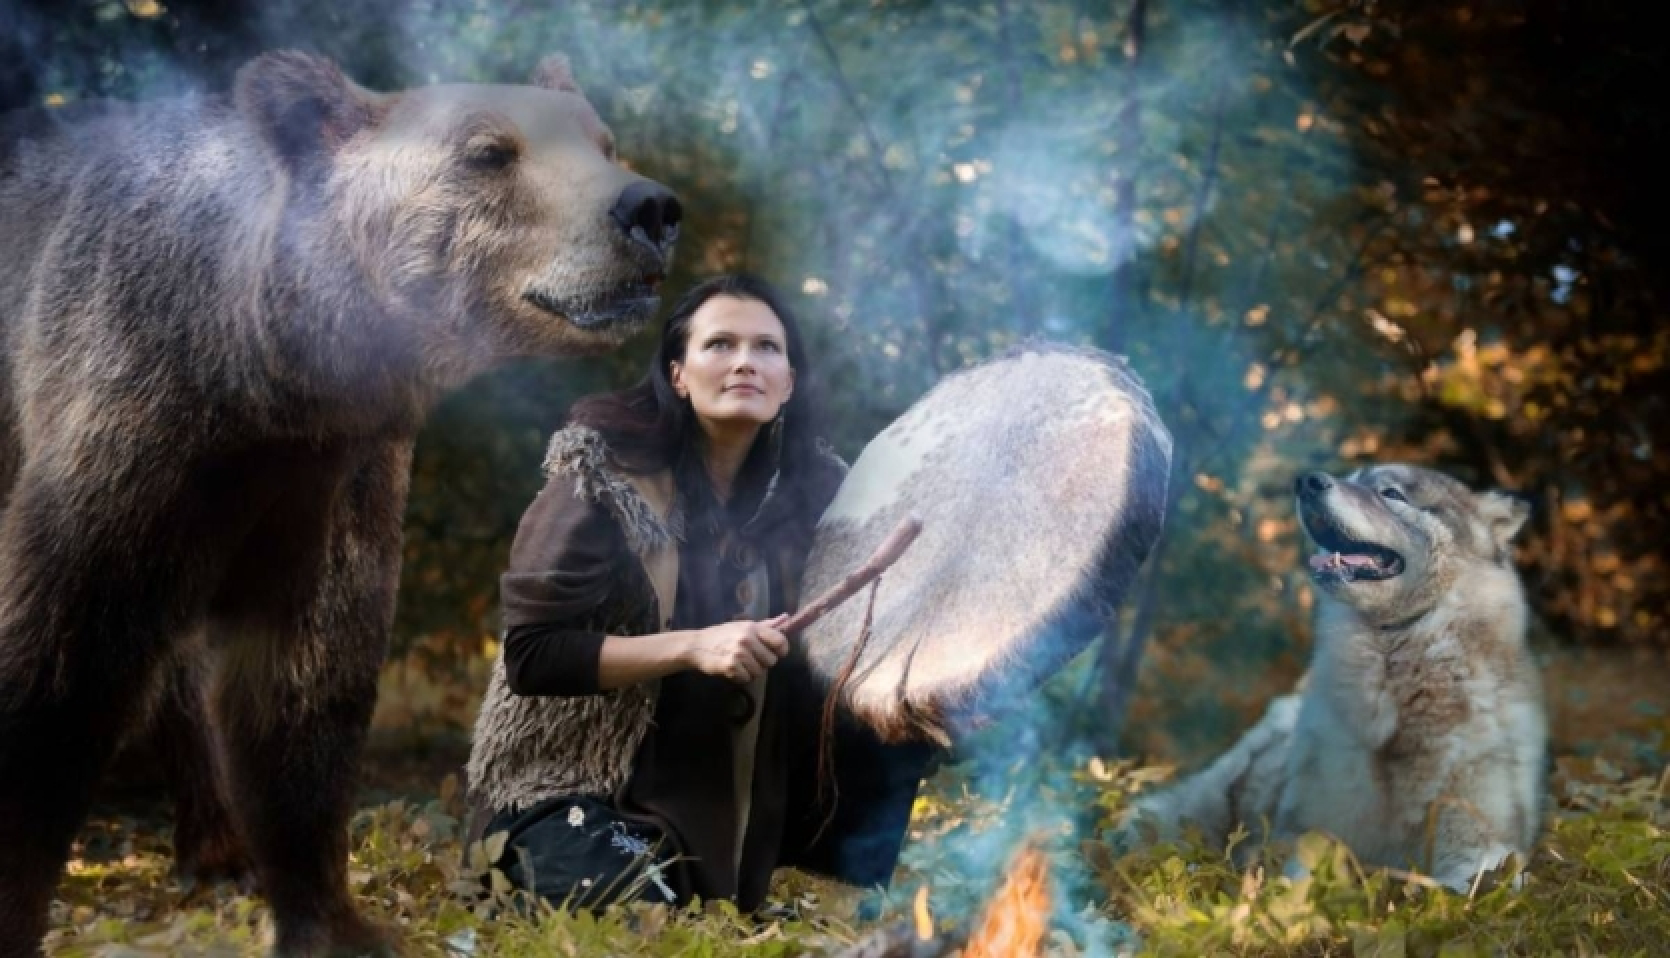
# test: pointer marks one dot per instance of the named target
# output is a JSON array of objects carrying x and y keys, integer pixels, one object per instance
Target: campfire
[
  {"x": 1013, "y": 925},
  {"x": 1018, "y": 916}
]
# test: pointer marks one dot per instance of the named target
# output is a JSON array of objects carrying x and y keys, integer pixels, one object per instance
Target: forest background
[{"x": 1325, "y": 232}]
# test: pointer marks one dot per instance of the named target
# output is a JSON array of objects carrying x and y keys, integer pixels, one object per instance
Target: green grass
[{"x": 1599, "y": 883}]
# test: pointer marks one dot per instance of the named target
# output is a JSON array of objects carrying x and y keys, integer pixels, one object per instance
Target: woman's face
[{"x": 735, "y": 370}]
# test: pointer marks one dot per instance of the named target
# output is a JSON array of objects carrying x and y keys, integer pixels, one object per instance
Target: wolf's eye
[{"x": 1394, "y": 495}]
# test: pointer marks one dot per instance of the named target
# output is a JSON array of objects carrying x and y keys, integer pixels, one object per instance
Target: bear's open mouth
[
  {"x": 1342, "y": 558},
  {"x": 633, "y": 303}
]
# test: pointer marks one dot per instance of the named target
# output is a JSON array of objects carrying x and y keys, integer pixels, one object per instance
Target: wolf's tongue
[{"x": 1325, "y": 560}]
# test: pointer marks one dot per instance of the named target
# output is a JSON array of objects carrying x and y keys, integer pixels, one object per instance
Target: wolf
[{"x": 1418, "y": 737}]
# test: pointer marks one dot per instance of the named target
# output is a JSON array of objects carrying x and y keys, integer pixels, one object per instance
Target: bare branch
[
  {"x": 926, "y": 294},
  {"x": 773, "y": 127},
  {"x": 847, "y": 94},
  {"x": 1255, "y": 402},
  {"x": 1203, "y": 194}
]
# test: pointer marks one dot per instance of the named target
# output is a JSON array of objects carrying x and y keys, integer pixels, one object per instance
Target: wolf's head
[{"x": 1392, "y": 540}]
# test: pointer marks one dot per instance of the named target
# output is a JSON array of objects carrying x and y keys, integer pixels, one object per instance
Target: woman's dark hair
[{"x": 648, "y": 428}]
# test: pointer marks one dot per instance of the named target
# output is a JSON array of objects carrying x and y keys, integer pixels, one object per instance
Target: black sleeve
[
  {"x": 566, "y": 561},
  {"x": 546, "y": 659}
]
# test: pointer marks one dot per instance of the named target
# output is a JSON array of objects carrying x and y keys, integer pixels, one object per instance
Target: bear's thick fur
[{"x": 222, "y": 321}]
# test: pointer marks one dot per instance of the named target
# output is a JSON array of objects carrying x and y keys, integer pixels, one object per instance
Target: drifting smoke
[
  {"x": 934, "y": 183},
  {"x": 1030, "y": 795}
]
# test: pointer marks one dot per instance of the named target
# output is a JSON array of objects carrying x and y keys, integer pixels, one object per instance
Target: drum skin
[{"x": 1040, "y": 479}]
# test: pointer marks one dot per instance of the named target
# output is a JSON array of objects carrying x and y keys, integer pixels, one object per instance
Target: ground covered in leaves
[{"x": 1598, "y": 884}]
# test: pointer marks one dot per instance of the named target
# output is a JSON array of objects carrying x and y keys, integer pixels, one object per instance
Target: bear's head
[{"x": 495, "y": 220}]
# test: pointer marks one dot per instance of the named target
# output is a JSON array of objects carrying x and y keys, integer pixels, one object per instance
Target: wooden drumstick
[{"x": 885, "y": 555}]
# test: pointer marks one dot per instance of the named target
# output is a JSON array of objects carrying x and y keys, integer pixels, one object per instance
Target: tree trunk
[
  {"x": 1023, "y": 297},
  {"x": 1124, "y": 300}
]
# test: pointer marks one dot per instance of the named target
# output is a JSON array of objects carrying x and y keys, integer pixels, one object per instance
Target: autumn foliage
[{"x": 1326, "y": 233}]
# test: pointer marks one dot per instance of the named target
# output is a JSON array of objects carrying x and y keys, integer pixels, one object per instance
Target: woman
[{"x": 648, "y": 731}]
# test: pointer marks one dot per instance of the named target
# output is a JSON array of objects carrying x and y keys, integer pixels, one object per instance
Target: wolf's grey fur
[
  {"x": 1040, "y": 479},
  {"x": 1418, "y": 737},
  {"x": 222, "y": 321}
]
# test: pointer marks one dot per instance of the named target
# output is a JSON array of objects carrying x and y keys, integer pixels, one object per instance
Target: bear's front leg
[
  {"x": 294, "y": 701},
  {"x": 89, "y": 594}
]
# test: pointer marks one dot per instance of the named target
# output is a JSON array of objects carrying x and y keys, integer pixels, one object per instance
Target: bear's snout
[{"x": 649, "y": 214}]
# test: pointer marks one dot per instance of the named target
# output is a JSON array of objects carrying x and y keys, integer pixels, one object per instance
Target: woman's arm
[
  {"x": 565, "y": 561},
  {"x": 551, "y": 660},
  {"x": 739, "y": 651}
]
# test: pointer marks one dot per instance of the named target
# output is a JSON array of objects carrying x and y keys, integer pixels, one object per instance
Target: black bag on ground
[{"x": 579, "y": 852}]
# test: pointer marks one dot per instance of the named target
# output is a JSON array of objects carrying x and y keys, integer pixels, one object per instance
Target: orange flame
[
  {"x": 924, "y": 917},
  {"x": 1018, "y": 916}
]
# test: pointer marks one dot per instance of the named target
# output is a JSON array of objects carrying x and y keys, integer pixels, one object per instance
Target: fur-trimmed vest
[
  {"x": 596, "y": 526},
  {"x": 530, "y": 748}
]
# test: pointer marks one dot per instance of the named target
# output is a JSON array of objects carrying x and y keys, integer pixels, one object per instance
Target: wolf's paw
[{"x": 1483, "y": 870}]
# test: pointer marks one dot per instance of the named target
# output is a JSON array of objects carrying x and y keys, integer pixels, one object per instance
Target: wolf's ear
[
  {"x": 302, "y": 105},
  {"x": 554, "y": 73},
  {"x": 1504, "y": 513}
]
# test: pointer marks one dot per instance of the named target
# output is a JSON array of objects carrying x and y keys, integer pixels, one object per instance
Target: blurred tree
[{"x": 1324, "y": 231}]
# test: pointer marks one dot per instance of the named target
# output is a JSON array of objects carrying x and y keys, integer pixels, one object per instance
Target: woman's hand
[{"x": 739, "y": 651}]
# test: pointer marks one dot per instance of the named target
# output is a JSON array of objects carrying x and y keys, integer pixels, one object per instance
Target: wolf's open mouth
[{"x": 1346, "y": 559}]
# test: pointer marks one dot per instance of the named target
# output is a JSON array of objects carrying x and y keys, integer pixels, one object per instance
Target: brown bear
[{"x": 222, "y": 321}]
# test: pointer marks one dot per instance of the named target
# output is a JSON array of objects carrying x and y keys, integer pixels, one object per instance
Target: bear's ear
[
  {"x": 303, "y": 106},
  {"x": 1504, "y": 513},
  {"x": 554, "y": 73}
]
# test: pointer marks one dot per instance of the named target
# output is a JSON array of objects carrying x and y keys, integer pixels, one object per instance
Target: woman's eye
[
  {"x": 771, "y": 347},
  {"x": 1394, "y": 495},
  {"x": 719, "y": 344}
]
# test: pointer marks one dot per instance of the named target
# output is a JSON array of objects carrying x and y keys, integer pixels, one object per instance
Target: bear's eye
[
  {"x": 1396, "y": 495},
  {"x": 490, "y": 153}
]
